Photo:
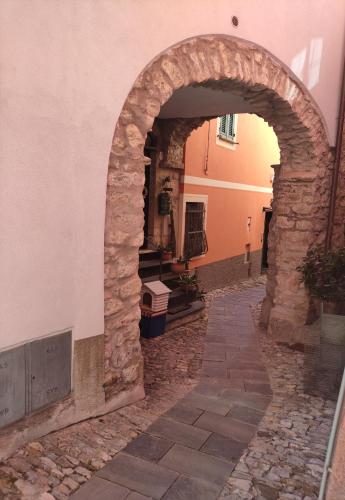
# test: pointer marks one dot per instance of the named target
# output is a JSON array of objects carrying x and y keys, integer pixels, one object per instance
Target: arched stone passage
[{"x": 301, "y": 183}]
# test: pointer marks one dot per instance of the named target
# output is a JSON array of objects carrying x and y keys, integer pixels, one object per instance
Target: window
[
  {"x": 227, "y": 127},
  {"x": 195, "y": 242}
]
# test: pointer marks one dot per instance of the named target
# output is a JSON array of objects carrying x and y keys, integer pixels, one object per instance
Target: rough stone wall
[
  {"x": 161, "y": 223},
  {"x": 172, "y": 135},
  {"x": 301, "y": 193}
]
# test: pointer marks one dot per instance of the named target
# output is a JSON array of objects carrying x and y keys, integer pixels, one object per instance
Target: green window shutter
[
  {"x": 230, "y": 126},
  {"x": 222, "y": 126},
  {"x": 227, "y": 127}
]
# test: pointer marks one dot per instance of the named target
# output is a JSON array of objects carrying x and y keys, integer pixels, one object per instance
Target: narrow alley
[{"x": 208, "y": 428}]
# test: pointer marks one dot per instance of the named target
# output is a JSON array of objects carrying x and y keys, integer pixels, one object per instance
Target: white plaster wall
[{"x": 66, "y": 69}]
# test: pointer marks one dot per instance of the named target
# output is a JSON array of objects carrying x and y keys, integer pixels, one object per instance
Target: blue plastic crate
[{"x": 152, "y": 327}]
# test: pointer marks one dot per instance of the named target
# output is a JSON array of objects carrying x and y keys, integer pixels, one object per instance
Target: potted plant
[
  {"x": 189, "y": 284},
  {"x": 166, "y": 252},
  {"x": 180, "y": 266},
  {"x": 323, "y": 273}
]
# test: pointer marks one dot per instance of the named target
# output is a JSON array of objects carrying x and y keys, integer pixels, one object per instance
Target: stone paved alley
[{"x": 217, "y": 442}]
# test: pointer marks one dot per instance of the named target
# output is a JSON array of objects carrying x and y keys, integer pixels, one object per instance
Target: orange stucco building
[{"x": 232, "y": 177}]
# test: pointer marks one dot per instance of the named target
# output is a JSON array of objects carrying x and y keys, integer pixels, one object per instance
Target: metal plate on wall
[
  {"x": 49, "y": 370},
  {"x": 12, "y": 385}
]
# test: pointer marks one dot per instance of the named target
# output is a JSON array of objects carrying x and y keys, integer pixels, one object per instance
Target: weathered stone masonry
[{"x": 301, "y": 187}]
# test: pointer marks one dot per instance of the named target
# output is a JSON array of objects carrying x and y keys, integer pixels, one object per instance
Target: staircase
[{"x": 151, "y": 268}]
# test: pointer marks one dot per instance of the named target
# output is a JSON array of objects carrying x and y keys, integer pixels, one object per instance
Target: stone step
[
  {"x": 149, "y": 268},
  {"x": 178, "y": 297},
  {"x": 167, "y": 278},
  {"x": 148, "y": 254},
  {"x": 195, "y": 306}
]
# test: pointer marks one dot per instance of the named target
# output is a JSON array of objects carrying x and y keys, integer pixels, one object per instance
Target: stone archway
[{"x": 301, "y": 185}]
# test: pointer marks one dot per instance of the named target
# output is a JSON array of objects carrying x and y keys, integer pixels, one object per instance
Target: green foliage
[
  {"x": 201, "y": 295},
  {"x": 188, "y": 279},
  {"x": 323, "y": 273}
]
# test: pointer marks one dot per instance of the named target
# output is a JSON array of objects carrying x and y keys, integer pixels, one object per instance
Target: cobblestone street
[{"x": 283, "y": 461}]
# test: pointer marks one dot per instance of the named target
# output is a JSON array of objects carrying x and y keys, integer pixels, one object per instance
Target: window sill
[
  {"x": 225, "y": 139},
  {"x": 226, "y": 143},
  {"x": 196, "y": 257}
]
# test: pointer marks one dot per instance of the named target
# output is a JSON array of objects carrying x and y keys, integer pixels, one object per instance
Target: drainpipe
[
  {"x": 327, "y": 469},
  {"x": 338, "y": 148},
  {"x": 207, "y": 149}
]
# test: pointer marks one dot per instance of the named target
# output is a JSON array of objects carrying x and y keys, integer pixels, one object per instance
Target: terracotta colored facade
[{"x": 234, "y": 216}]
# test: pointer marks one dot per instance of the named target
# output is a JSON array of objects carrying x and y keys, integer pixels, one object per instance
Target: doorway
[
  {"x": 264, "y": 256},
  {"x": 150, "y": 151}
]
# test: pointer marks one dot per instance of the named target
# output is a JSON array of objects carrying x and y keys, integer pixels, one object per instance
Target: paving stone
[
  {"x": 184, "y": 413},
  {"x": 214, "y": 352},
  {"x": 257, "y": 387},
  {"x": 83, "y": 472},
  {"x": 196, "y": 464},
  {"x": 209, "y": 403},
  {"x": 178, "y": 432},
  {"x": 268, "y": 492},
  {"x": 252, "y": 356},
  {"x": 46, "y": 496},
  {"x": 236, "y": 364},
  {"x": 187, "y": 488},
  {"x": 256, "y": 401},
  {"x": 248, "y": 415},
  {"x": 148, "y": 447},
  {"x": 223, "y": 447},
  {"x": 236, "y": 379},
  {"x": 214, "y": 369},
  {"x": 101, "y": 489},
  {"x": 208, "y": 387},
  {"x": 226, "y": 426},
  {"x": 139, "y": 475},
  {"x": 222, "y": 339},
  {"x": 215, "y": 386},
  {"x": 137, "y": 496}
]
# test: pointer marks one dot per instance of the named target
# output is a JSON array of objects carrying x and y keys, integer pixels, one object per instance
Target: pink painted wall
[
  {"x": 228, "y": 209},
  {"x": 66, "y": 69}
]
